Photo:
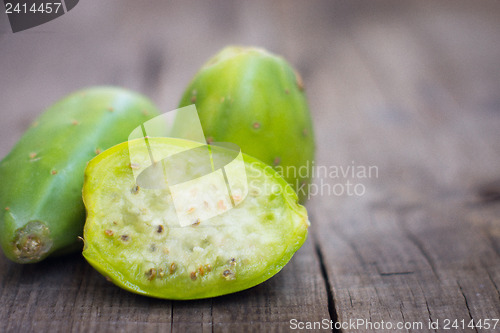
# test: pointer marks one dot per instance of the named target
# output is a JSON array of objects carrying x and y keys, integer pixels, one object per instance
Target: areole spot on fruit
[
  {"x": 151, "y": 274},
  {"x": 299, "y": 81},
  {"x": 134, "y": 166}
]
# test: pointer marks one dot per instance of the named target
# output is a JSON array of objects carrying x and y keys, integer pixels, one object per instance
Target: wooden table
[{"x": 410, "y": 88}]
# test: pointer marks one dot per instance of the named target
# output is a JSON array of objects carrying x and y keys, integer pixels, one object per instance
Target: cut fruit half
[{"x": 134, "y": 237}]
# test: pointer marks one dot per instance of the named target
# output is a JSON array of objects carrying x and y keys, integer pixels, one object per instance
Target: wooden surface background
[{"x": 411, "y": 87}]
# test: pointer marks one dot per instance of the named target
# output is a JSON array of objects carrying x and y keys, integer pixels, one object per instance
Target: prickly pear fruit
[
  {"x": 131, "y": 235},
  {"x": 256, "y": 100},
  {"x": 42, "y": 212}
]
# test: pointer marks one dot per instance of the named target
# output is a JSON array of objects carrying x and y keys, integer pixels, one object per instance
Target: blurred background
[{"x": 366, "y": 57}]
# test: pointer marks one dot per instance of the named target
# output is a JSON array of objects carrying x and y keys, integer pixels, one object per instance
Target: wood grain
[
  {"x": 408, "y": 87},
  {"x": 415, "y": 247}
]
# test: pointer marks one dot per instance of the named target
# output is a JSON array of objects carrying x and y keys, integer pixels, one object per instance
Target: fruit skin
[
  {"x": 42, "y": 212},
  {"x": 256, "y": 100},
  {"x": 108, "y": 180}
]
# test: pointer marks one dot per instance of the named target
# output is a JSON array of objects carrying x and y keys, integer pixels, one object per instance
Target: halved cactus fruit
[{"x": 134, "y": 237}]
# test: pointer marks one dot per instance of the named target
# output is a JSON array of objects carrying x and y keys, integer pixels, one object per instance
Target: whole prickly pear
[
  {"x": 42, "y": 212},
  {"x": 256, "y": 100}
]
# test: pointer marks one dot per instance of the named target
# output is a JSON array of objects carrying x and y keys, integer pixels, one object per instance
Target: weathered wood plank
[
  {"x": 66, "y": 294},
  {"x": 411, "y": 248}
]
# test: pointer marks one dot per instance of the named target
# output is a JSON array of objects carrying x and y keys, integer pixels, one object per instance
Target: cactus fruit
[
  {"x": 42, "y": 212},
  {"x": 131, "y": 235},
  {"x": 255, "y": 99}
]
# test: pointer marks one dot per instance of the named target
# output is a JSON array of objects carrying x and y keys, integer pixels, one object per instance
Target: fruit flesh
[
  {"x": 255, "y": 99},
  {"x": 41, "y": 210},
  {"x": 133, "y": 238}
]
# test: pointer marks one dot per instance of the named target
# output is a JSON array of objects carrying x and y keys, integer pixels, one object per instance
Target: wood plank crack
[
  {"x": 466, "y": 303},
  {"x": 493, "y": 282},
  {"x": 212, "y": 315},
  {"x": 331, "y": 303},
  {"x": 396, "y": 273},
  {"x": 418, "y": 244},
  {"x": 429, "y": 311},
  {"x": 171, "y": 317}
]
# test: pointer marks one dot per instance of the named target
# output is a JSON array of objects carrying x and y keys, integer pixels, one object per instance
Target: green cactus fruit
[
  {"x": 256, "y": 100},
  {"x": 42, "y": 212},
  {"x": 132, "y": 235}
]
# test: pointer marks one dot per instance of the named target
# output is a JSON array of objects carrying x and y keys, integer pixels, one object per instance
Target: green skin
[
  {"x": 255, "y": 99},
  {"x": 42, "y": 211}
]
